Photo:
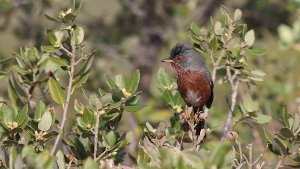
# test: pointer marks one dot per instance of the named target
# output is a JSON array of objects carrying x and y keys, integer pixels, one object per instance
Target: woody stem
[{"x": 72, "y": 56}]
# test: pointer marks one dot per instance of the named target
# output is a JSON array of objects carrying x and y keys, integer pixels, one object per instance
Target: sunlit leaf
[
  {"x": 237, "y": 15},
  {"x": 22, "y": 116},
  {"x": 262, "y": 119},
  {"x": 56, "y": 92},
  {"x": 49, "y": 49},
  {"x": 110, "y": 138},
  {"x": 13, "y": 95},
  {"x": 46, "y": 121},
  {"x": 60, "y": 160},
  {"x": 90, "y": 164},
  {"x": 285, "y": 117},
  {"x": 134, "y": 108},
  {"x": 77, "y": 35},
  {"x": 218, "y": 154},
  {"x": 133, "y": 83},
  {"x": 250, "y": 37},
  {"x": 95, "y": 101},
  {"x": 218, "y": 28},
  {"x": 111, "y": 84}
]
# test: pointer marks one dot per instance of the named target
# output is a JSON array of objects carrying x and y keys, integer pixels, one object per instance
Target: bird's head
[{"x": 184, "y": 56}]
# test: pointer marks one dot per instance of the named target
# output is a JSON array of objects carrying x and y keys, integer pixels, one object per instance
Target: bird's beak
[{"x": 167, "y": 60}]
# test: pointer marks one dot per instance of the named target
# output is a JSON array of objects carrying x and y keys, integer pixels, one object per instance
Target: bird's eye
[{"x": 178, "y": 58}]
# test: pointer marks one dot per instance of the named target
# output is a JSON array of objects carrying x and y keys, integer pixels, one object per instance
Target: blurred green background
[{"x": 133, "y": 34}]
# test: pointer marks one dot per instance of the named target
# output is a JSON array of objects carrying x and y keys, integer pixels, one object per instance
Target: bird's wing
[{"x": 211, "y": 98}]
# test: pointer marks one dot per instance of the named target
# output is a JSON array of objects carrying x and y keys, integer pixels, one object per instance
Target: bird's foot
[{"x": 200, "y": 116}]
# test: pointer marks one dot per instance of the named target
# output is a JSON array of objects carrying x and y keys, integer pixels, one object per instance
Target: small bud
[{"x": 233, "y": 135}]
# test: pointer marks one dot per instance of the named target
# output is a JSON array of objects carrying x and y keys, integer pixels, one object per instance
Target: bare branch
[
  {"x": 96, "y": 135},
  {"x": 69, "y": 93}
]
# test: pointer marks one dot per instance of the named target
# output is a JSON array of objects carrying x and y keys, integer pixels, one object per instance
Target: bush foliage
[{"x": 43, "y": 82}]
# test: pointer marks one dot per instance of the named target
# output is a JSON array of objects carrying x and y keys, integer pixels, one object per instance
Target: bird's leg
[
  {"x": 200, "y": 115},
  {"x": 186, "y": 118},
  {"x": 186, "y": 114}
]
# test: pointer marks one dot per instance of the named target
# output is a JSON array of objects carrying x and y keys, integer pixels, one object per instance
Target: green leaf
[
  {"x": 250, "y": 37},
  {"x": 95, "y": 101},
  {"x": 218, "y": 28},
  {"x": 12, "y": 93},
  {"x": 49, "y": 49},
  {"x": 80, "y": 148},
  {"x": 285, "y": 117},
  {"x": 72, "y": 5},
  {"x": 57, "y": 61},
  {"x": 51, "y": 18},
  {"x": 80, "y": 79},
  {"x": 249, "y": 104},
  {"x": 111, "y": 84},
  {"x": 46, "y": 121},
  {"x": 195, "y": 28},
  {"x": 120, "y": 81},
  {"x": 12, "y": 157},
  {"x": 22, "y": 116},
  {"x": 218, "y": 154},
  {"x": 86, "y": 66},
  {"x": 56, "y": 92},
  {"x": 258, "y": 51},
  {"x": 55, "y": 37},
  {"x": 90, "y": 164},
  {"x": 134, "y": 108},
  {"x": 77, "y": 35},
  {"x": 262, "y": 119},
  {"x": 60, "y": 160},
  {"x": 164, "y": 79},
  {"x": 132, "y": 85},
  {"x": 82, "y": 124},
  {"x": 106, "y": 99},
  {"x": 110, "y": 138},
  {"x": 7, "y": 115},
  {"x": 168, "y": 97},
  {"x": 28, "y": 150},
  {"x": 40, "y": 108},
  {"x": 192, "y": 158},
  {"x": 286, "y": 133},
  {"x": 286, "y": 34},
  {"x": 237, "y": 15},
  {"x": 17, "y": 86},
  {"x": 88, "y": 118},
  {"x": 269, "y": 137},
  {"x": 52, "y": 38}
]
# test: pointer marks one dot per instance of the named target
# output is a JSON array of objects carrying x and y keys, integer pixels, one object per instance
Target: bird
[{"x": 194, "y": 81}]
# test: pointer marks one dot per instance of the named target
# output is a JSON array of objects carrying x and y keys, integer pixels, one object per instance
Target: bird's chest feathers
[{"x": 193, "y": 87}]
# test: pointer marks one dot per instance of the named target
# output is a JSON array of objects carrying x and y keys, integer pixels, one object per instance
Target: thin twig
[
  {"x": 230, "y": 112},
  {"x": 250, "y": 156},
  {"x": 69, "y": 93},
  {"x": 279, "y": 163},
  {"x": 96, "y": 136},
  {"x": 69, "y": 165}
]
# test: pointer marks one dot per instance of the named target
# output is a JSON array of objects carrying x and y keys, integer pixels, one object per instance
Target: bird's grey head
[{"x": 186, "y": 57}]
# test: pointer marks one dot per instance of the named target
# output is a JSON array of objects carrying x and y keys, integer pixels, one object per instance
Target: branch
[
  {"x": 230, "y": 113},
  {"x": 72, "y": 55},
  {"x": 96, "y": 136}
]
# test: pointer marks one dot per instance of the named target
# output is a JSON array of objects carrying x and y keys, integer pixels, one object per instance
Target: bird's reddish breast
[{"x": 194, "y": 87}]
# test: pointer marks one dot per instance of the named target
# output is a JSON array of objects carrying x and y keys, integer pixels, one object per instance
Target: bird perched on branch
[{"x": 194, "y": 81}]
